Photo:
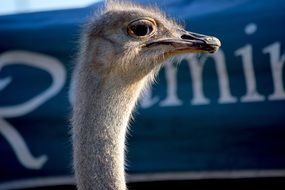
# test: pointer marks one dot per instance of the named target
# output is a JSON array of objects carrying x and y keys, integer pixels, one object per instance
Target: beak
[{"x": 188, "y": 42}]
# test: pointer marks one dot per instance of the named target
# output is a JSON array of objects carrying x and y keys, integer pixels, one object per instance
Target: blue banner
[{"x": 222, "y": 112}]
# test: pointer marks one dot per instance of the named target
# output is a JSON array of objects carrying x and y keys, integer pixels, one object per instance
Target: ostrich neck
[{"x": 102, "y": 111}]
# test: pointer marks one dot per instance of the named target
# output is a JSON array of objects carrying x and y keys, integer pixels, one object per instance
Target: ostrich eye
[{"x": 141, "y": 28}]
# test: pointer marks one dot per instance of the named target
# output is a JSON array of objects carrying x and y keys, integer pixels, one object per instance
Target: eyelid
[{"x": 143, "y": 20}]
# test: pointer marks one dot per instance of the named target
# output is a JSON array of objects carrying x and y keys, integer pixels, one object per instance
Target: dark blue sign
[{"x": 212, "y": 115}]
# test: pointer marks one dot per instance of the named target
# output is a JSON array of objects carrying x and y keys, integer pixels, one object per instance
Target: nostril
[{"x": 187, "y": 37}]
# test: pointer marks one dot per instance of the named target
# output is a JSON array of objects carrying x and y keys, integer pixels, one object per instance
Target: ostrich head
[
  {"x": 121, "y": 50},
  {"x": 132, "y": 41}
]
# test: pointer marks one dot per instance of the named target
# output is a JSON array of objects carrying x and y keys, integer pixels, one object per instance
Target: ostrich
[{"x": 122, "y": 49}]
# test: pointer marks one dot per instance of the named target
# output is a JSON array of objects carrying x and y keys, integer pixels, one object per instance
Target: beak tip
[
  {"x": 215, "y": 43},
  {"x": 219, "y": 44}
]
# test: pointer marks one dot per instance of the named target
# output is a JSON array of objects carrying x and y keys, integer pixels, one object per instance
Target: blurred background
[
  {"x": 209, "y": 120},
  {"x": 25, "y": 6}
]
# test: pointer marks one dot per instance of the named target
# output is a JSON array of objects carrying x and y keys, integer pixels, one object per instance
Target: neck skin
[{"x": 101, "y": 112}]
